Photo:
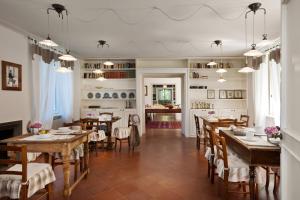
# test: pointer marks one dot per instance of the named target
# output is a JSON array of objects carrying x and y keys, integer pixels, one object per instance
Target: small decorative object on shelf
[
  {"x": 35, "y": 127},
  {"x": 273, "y": 134}
]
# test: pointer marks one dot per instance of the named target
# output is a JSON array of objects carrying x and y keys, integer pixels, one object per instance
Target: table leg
[
  {"x": 86, "y": 156},
  {"x": 252, "y": 182},
  {"x": 66, "y": 170},
  {"x": 109, "y": 131}
]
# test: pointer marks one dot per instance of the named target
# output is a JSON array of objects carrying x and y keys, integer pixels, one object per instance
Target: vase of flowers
[
  {"x": 35, "y": 127},
  {"x": 273, "y": 134}
]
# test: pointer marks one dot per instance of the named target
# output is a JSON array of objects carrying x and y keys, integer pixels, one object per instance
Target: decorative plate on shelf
[
  {"x": 115, "y": 95},
  {"x": 98, "y": 95},
  {"x": 90, "y": 95},
  {"x": 106, "y": 96},
  {"x": 123, "y": 95},
  {"x": 131, "y": 95}
]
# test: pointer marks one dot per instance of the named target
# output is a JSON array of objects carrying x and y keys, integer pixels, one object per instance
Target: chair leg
[
  {"x": 225, "y": 189},
  {"x": 212, "y": 174},
  {"x": 120, "y": 146},
  {"x": 267, "y": 178},
  {"x": 75, "y": 169},
  {"x": 49, "y": 191},
  {"x": 81, "y": 164},
  {"x": 208, "y": 168},
  {"x": 116, "y": 144},
  {"x": 96, "y": 149},
  {"x": 24, "y": 192},
  {"x": 102, "y": 144},
  {"x": 276, "y": 182},
  {"x": 198, "y": 143}
]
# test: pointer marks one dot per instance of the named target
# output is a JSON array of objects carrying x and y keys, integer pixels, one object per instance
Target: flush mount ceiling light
[
  {"x": 254, "y": 7},
  {"x": 103, "y": 43}
]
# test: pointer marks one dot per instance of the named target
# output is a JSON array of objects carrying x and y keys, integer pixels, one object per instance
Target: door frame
[{"x": 141, "y": 73}]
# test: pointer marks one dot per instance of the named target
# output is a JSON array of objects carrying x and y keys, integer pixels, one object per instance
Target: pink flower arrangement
[
  {"x": 211, "y": 112},
  {"x": 36, "y": 125},
  {"x": 273, "y": 132}
]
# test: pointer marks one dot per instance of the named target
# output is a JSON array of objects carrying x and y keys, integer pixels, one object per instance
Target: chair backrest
[
  {"x": 105, "y": 116},
  {"x": 23, "y": 161},
  {"x": 245, "y": 120},
  {"x": 221, "y": 149},
  {"x": 197, "y": 124},
  {"x": 89, "y": 123},
  {"x": 211, "y": 139},
  {"x": 226, "y": 122}
]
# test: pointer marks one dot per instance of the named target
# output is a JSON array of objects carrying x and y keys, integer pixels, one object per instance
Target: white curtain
[
  {"x": 43, "y": 91},
  {"x": 275, "y": 71},
  {"x": 64, "y": 95},
  {"x": 261, "y": 95}
]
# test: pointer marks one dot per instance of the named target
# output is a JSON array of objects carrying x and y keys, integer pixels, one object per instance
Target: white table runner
[
  {"x": 49, "y": 137},
  {"x": 260, "y": 141}
]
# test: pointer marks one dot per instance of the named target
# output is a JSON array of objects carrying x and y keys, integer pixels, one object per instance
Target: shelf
[
  {"x": 107, "y": 70},
  {"x": 109, "y": 99},
  {"x": 107, "y": 89},
  {"x": 119, "y": 79}
]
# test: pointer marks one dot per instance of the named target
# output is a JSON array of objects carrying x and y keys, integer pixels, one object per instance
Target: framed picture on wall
[
  {"x": 238, "y": 94},
  {"x": 222, "y": 94},
  {"x": 230, "y": 94},
  {"x": 11, "y": 76},
  {"x": 211, "y": 94}
]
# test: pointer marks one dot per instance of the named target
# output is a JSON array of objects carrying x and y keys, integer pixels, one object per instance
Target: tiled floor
[{"x": 165, "y": 166}]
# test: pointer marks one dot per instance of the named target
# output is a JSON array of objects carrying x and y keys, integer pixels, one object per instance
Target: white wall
[
  {"x": 290, "y": 109},
  {"x": 149, "y": 82},
  {"x": 15, "y": 105}
]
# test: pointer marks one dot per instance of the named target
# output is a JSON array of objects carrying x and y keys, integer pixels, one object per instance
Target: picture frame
[
  {"x": 238, "y": 94},
  {"x": 222, "y": 94},
  {"x": 11, "y": 76},
  {"x": 146, "y": 90},
  {"x": 230, "y": 94},
  {"x": 211, "y": 94}
]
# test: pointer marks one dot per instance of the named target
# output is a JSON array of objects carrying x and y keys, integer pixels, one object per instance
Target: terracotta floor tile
[{"x": 166, "y": 166}]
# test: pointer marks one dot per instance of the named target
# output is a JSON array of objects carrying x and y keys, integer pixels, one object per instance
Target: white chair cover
[
  {"x": 122, "y": 132},
  {"x": 98, "y": 136}
]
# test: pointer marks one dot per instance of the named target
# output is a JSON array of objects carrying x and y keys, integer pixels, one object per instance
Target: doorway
[
  {"x": 162, "y": 102},
  {"x": 143, "y": 98}
]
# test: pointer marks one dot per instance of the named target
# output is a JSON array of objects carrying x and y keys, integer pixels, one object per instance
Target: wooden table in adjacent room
[
  {"x": 60, "y": 144},
  {"x": 161, "y": 110},
  {"x": 254, "y": 155}
]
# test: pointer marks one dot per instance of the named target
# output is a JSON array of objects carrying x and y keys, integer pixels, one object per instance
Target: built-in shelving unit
[
  {"x": 206, "y": 94},
  {"x": 116, "y": 94}
]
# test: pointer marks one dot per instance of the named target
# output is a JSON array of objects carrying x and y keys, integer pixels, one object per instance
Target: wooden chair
[
  {"x": 275, "y": 171},
  {"x": 122, "y": 134},
  {"x": 244, "y": 121},
  {"x": 29, "y": 176},
  {"x": 210, "y": 154},
  {"x": 205, "y": 126},
  {"x": 98, "y": 136},
  {"x": 226, "y": 122},
  {"x": 198, "y": 132},
  {"x": 231, "y": 169}
]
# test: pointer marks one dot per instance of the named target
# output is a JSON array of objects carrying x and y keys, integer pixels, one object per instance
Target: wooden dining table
[
  {"x": 253, "y": 154},
  {"x": 63, "y": 144}
]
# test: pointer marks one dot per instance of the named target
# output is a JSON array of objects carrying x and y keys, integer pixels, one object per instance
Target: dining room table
[
  {"x": 255, "y": 151},
  {"x": 57, "y": 142}
]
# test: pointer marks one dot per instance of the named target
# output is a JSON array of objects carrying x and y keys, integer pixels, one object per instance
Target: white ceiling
[{"x": 152, "y": 33}]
